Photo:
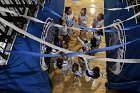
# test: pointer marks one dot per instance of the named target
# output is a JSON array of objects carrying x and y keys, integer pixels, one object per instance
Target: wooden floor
[{"x": 65, "y": 85}]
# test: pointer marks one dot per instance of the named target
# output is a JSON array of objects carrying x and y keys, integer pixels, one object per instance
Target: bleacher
[{"x": 8, "y": 35}]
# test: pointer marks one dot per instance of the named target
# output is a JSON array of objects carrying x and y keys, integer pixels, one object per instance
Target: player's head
[
  {"x": 93, "y": 42},
  {"x": 83, "y": 11},
  {"x": 59, "y": 63},
  {"x": 100, "y": 17},
  {"x": 75, "y": 67},
  {"x": 68, "y": 10},
  {"x": 96, "y": 71},
  {"x": 61, "y": 22},
  {"x": 48, "y": 50}
]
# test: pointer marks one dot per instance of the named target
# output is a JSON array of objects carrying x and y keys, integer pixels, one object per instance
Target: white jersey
[
  {"x": 54, "y": 51},
  {"x": 67, "y": 66},
  {"x": 98, "y": 38},
  {"x": 86, "y": 45},
  {"x": 84, "y": 20},
  {"x": 100, "y": 24},
  {"x": 69, "y": 17},
  {"x": 78, "y": 73},
  {"x": 97, "y": 23}
]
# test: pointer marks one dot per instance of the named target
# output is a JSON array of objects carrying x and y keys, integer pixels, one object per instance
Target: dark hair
[
  {"x": 67, "y": 9},
  {"x": 75, "y": 67},
  {"x": 96, "y": 71},
  {"x": 101, "y": 15},
  {"x": 85, "y": 41},
  {"x": 100, "y": 32},
  {"x": 48, "y": 50},
  {"x": 61, "y": 21},
  {"x": 93, "y": 42},
  {"x": 59, "y": 63},
  {"x": 84, "y": 9}
]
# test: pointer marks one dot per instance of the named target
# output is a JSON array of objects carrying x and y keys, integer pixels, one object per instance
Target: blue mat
[
  {"x": 129, "y": 77},
  {"x": 23, "y": 74}
]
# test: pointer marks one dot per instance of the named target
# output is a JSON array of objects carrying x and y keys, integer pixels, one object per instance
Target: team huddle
[{"x": 62, "y": 39}]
